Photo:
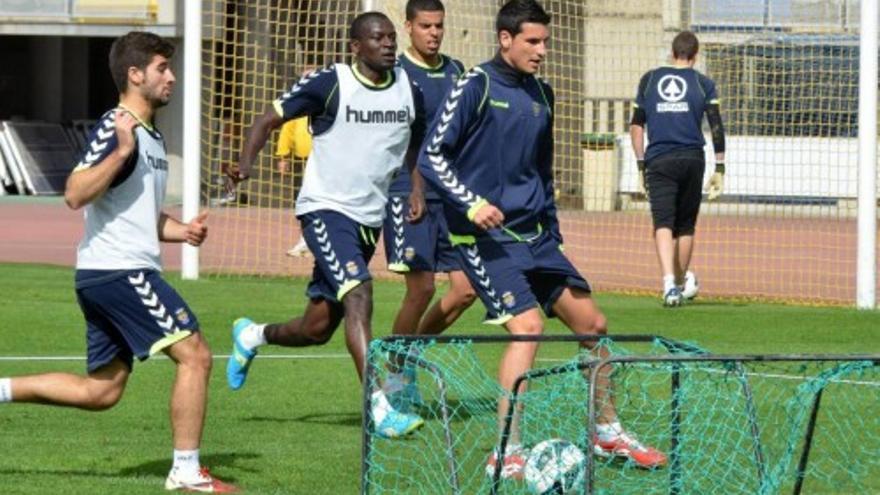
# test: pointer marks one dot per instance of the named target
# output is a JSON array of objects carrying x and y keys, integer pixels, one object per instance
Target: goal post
[
  {"x": 866, "y": 284},
  {"x": 192, "y": 123}
]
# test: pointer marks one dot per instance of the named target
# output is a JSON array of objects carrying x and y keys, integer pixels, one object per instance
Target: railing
[
  {"x": 607, "y": 115},
  {"x": 775, "y": 14},
  {"x": 78, "y": 10}
]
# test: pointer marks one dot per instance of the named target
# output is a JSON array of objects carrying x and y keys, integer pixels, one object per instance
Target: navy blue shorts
[
  {"x": 418, "y": 247},
  {"x": 130, "y": 313},
  {"x": 513, "y": 277},
  {"x": 342, "y": 248}
]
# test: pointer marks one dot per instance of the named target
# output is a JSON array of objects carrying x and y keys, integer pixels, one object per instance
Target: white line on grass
[
  {"x": 798, "y": 378},
  {"x": 754, "y": 374},
  {"x": 345, "y": 356}
]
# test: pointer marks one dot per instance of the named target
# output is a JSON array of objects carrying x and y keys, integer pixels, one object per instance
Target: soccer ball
[{"x": 555, "y": 467}]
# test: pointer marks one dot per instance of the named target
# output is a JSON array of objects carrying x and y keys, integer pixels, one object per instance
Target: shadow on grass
[
  {"x": 333, "y": 419},
  {"x": 214, "y": 462},
  {"x": 460, "y": 410},
  {"x": 156, "y": 468},
  {"x": 67, "y": 473},
  {"x": 718, "y": 303}
]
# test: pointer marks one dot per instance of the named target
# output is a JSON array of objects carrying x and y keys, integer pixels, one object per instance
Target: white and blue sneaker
[
  {"x": 396, "y": 424},
  {"x": 241, "y": 357},
  {"x": 672, "y": 298}
]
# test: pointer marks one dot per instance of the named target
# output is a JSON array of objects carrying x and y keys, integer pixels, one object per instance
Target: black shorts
[{"x": 675, "y": 182}]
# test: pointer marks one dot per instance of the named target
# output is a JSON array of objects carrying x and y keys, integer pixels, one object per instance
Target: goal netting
[{"x": 728, "y": 424}]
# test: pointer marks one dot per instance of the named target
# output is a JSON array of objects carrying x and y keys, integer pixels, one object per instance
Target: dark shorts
[
  {"x": 342, "y": 248},
  {"x": 130, "y": 313},
  {"x": 513, "y": 277},
  {"x": 418, "y": 247},
  {"x": 675, "y": 182}
]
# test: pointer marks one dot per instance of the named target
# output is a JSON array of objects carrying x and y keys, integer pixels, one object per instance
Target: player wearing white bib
[
  {"x": 367, "y": 120},
  {"x": 130, "y": 310}
]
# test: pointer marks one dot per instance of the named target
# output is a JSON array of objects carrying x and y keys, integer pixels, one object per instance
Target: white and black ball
[{"x": 555, "y": 466}]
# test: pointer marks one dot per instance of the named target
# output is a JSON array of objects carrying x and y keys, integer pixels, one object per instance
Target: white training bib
[
  {"x": 121, "y": 226},
  {"x": 352, "y": 164}
]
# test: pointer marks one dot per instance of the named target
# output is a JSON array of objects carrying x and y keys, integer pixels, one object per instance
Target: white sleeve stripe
[
  {"x": 438, "y": 162},
  {"x": 302, "y": 83},
  {"x": 97, "y": 147}
]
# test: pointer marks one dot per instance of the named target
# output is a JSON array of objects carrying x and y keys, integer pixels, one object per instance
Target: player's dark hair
[
  {"x": 685, "y": 45},
  {"x": 413, "y": 7},
  {"x": 358, "y": 28},
  {"x": 516, "y": 12},
  {"x": 135, "y": 49}
]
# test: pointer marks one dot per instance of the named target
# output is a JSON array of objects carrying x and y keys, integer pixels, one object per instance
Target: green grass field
[{"x": 295, "y": 427}]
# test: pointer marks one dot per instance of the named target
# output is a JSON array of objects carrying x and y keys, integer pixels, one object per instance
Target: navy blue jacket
[{"x": 493, "y": 142}]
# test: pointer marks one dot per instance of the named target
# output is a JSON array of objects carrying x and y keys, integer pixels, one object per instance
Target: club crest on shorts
[
  {"x": 352, "y": 268},
  {"x": 182, "y": 316},
  {"x": 508, "y": 299},
  {"x": 409, "y": 253}
]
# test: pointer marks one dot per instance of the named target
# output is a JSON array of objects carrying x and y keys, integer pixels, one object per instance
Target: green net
[
  {"x": 726, "y": 424},
  {"x": 842, "y": 454}
]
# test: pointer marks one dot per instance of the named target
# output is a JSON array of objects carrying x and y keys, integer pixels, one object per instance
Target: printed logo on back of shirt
[
  {"x": 499, "y": 104},
  {"x": 672, "y": 89}
]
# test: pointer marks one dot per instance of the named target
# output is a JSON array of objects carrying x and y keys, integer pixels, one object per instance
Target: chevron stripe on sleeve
[
  {"x": 447, "y": 133},
  {"x": 102, "y": 141},
  {"x": 309, "y": 95}
]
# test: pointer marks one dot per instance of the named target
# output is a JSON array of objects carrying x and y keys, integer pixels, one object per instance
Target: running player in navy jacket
[{"x": 489, "y": 155}]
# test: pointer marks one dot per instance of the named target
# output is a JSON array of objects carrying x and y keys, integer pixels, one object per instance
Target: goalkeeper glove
[
  {"x": 716, "y": 182},
  {"x": 643, "y": 186}
]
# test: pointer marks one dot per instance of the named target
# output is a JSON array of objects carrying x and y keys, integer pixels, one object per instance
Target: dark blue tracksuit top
[{"x": 493, "y": 142}]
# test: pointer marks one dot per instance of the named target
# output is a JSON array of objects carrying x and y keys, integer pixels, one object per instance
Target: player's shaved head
[
  {"x": 135, "y": 49},
  {"x": 360, "y": 25}
]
